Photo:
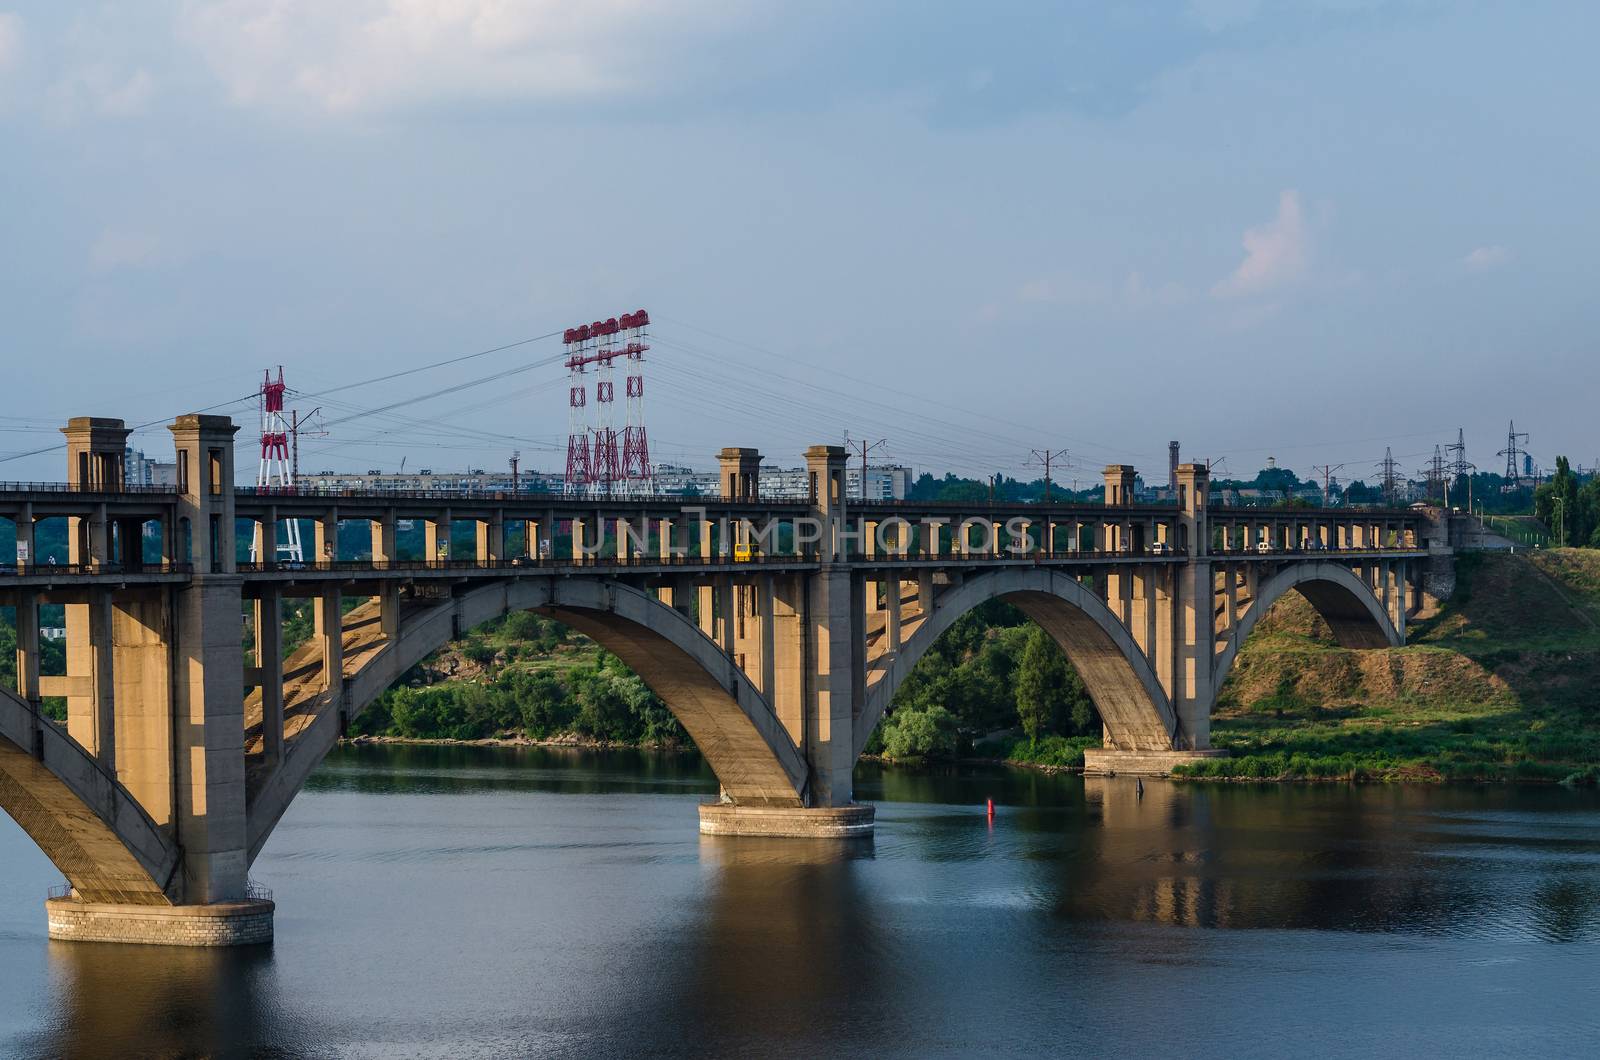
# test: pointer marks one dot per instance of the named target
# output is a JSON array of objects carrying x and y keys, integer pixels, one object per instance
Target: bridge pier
[
  {"x": 853, "y": 821},
  {"x": 242, "y": 923},
  {"x": 1111, "y": 762}
]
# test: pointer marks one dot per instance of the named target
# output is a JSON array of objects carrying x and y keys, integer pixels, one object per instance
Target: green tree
[
  {"x": 925, "y": 733},
  {"x": 1051, "y": 699},
  {"x": 1556, "y": 505}
]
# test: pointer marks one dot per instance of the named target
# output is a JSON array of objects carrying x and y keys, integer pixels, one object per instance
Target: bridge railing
[
  {"x": 522, "y": 496},
  {"x": 518, "y": 563},
  {"x": 78, "y": 487},
  {"x": 48, "y": 568}
]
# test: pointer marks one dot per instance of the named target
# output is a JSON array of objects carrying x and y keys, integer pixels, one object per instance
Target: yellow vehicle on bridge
[{"x": 746, "y": 553}]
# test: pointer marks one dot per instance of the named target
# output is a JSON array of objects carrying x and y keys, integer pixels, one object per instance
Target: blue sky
[{"x": 1301, "y": 230}]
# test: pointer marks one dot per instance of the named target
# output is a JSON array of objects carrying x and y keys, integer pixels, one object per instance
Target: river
[{"x": 503, "y": 902}]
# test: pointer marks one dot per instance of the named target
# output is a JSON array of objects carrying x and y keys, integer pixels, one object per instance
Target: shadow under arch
[
  {"x": 1353, "y": 612},
  {"x": 1118, "y": 677},
  {"x": 88, "y": 825},
  {"x": 730, "y": 721}
]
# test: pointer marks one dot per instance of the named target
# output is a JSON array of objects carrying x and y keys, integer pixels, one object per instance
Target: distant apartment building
[
  {"x": 136, "y": 469},
  {"x": 883, "y": 483}
]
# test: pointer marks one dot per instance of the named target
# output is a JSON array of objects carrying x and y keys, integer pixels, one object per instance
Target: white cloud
[
  {"x": 1484, "y": 258},
  {"x": 1274, "y": 254},
  {"x": 121, "y": 248},
  {"x": 10, "y": 39},
  {"x": 355, "y": 55}
]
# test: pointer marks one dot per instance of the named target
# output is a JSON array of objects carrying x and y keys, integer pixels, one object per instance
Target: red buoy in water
[{"x": 991, "y": 809}]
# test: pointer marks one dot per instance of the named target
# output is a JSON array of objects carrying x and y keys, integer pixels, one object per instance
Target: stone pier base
[
  {"x": 1105, "y": 762},
  {"x": 796, "y": 822},
  {"x": 245, "y": 923}
]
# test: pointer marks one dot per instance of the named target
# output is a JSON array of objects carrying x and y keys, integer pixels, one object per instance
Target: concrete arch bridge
[{"x": 776, "y": 629}]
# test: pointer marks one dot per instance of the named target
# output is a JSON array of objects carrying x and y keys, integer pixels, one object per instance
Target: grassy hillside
[{"x": 1502, "y": 682}]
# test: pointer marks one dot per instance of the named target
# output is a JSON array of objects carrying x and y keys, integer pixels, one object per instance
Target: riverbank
[{"x": 1501, "y": 683}]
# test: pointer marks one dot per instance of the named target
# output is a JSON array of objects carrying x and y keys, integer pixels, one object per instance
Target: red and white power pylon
[
  {"x": 579, "y": 467},
  {"x": 601, "y": 458},
  {"x": 275, "y": 471},
  {"x": 638, "y": 475},
  {"x": 607, "y": 459}
]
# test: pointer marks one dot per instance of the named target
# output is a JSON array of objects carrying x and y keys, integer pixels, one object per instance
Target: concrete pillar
[
  {"x": 27, "y": 552},
  {"x": 269, "y": 662},
  {"x": 436, "y": 538},
  {"x": 141, "y": 640},
  {"x": 1192, "y": 693},
  {"x": 329, "y": 627},
  {"x": 384, "y": 554},
  {"x": 740, "y": 472},
  {"x": 892, "y": 630},
  {"x": 325, "y": 534},
  {"x": 765, "y": 614},
  {"x": 204, "y": 447},
  {"x": 726, "y": 618},
  {"x": 825, "y": 466},
  {"x": 28, "y": 647},
  {"x": 490, "y": 543},
  {"x": 790, "y": 654},
  {"x": 1119, "y": 484},
  {"x": 208, "y": 766},
  {"x": 831, "y": 715}
]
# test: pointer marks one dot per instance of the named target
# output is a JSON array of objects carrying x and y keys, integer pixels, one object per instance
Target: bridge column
[
  {"x": 436, "y": 538},
  {"x": 182, "y": 733},
  {"x": 824, "y": 643},
  {"x": 384, "y": 554},
  {"x": 269, "y": 663},
  {"x": 1190, "y": 691},
  {"x": 491, "y": 538},
  {"x": 325, "y": 535},
  {"x": 264, "y": 546},
  {"x": 28, "y": 649}
]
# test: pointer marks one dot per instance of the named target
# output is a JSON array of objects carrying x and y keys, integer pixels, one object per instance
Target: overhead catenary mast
[{"x": 275, "y": 471}]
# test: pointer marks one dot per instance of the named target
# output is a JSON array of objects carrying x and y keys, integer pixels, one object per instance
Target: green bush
[{"x": 919, "y": 734}]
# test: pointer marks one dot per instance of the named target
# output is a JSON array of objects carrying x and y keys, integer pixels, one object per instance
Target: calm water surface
[{"x": 480, "y": 902}]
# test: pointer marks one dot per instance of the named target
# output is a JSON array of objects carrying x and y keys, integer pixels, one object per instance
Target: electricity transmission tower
[
  {"x": 1391, "y": 478},
  {"x": 1513, "y": 454},
  {"x": 1433, "y": 471},
  {"x": 1456, "y": 466}
]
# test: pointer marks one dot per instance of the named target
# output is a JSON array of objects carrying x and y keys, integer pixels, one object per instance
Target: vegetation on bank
[
  {"x": 523, "y": 676},
  {"x": 1501, "y": 683},
  {"x": 994, "y": 685}
]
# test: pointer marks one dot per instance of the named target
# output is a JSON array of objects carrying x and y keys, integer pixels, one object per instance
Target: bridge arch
[
  {"x": 1132, "y": 704},
  {"x": 1352, "y": 610},
  {"x": 730, "y": 721},
  {"x": 88, "y": 825}
]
